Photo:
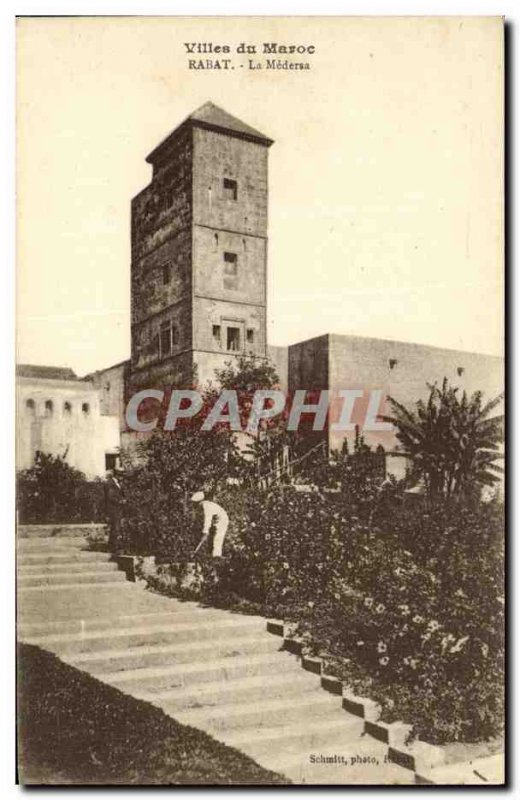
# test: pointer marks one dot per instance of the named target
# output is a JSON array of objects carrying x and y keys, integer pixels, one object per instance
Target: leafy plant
[
  {"x": 158, "y": 518},
  {"x": 452, "y": 442},
  {"x": 53, "y": 491}
]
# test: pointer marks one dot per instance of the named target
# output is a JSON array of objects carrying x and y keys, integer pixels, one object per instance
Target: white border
[{"x": 510, "y": 9}]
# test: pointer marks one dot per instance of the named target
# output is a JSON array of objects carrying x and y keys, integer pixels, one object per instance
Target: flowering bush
[
  {"x": 415, "y": 605},
  {"x": 406, "y": 604}
]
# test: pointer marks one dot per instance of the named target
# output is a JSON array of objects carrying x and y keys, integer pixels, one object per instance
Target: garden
[{"x": 401, "y": 592}]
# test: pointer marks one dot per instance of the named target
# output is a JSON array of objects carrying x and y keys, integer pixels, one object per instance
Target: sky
[{"x": 385, "y": 178}]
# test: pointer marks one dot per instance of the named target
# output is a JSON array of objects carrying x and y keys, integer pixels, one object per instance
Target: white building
[{"x": 58, "y": 413}]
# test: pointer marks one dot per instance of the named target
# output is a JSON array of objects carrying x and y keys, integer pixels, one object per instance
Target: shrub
[
  {"x": 415, "y": 604},
  {"x": 158, "y": 518},
  {"x": 53, "y": 491},
  {"x": 451, "y": 442}
]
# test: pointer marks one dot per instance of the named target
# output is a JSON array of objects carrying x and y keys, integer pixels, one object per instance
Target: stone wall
[
  {"x": 112, "y": 387},
  {"x": 161, "y": 262},
  {"x": 162, "y": 278},
  {"x": 403, "y": 370},
  {"x": 228, "y": 223},
  {"x": 308, "y": 364},
  {"x": 279, "y": 357},
  {"x": 399, "y": 369},
  {"x": 243, "y": 281},
  {"x": 164, "y": 207},
  {"x": 219, "y": 156}
]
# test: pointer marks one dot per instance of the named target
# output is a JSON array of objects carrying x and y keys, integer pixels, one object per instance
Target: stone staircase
[
  {"x": 60, "y": 560},
  {"x": 215, "y": 670}
]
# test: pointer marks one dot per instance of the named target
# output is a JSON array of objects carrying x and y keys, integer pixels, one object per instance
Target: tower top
[{"x": 213, "y": 118}]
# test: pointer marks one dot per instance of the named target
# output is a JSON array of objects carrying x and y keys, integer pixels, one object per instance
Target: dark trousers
[{"x": 114, "y": 531}]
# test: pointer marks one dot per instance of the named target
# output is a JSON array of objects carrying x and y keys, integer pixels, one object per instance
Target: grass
[{"x": 72, "y": 729}]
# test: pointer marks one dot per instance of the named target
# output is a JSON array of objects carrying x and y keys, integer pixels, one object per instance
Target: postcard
[{"x": 260, "y": 400}]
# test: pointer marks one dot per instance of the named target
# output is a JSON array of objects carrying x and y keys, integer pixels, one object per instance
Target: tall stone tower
[{"x": 199, "y": 251}]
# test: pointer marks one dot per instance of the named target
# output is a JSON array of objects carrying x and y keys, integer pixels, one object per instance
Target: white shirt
[{"x": 212, "y": 511}]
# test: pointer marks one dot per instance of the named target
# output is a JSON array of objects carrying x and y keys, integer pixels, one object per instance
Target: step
[
  {"x": 168, "y": 633},
  {"x": 69, "y": 578},
  {"x": 335, "y": 729},
  {"x": 59, "y": 587},
  {"x": 78, "y": 626},
  {"x": 56, "y": 530},
  {"x": 65, "y": 557},
  {"x": 57, "y": 545},
  {"x": 67, "y": 567},
  {"x": 484, "y": 771},
  {"x": 276, "y": 712},
  {"x": 157, "y": 679},
  {"x": 160, "y": 655},
  {"x": 225, "y": 691},
  {"x": 78, "y": 602}
]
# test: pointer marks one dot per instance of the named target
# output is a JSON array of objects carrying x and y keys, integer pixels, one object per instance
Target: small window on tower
[
  {"x": 233, "y": 339},
  {"x": 230, "y": 263},
  {"x": 216, "y": 333},
  {"x": 165, "y": 339},
  {"x": 230, "y": 271},
  {"x": 166, "y": 274},
  {"x": 230, "y": 189},
  {"x": 250, "y": 336}
]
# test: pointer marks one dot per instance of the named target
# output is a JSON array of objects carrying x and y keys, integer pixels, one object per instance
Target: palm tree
[{"x": 452, "y": 442}]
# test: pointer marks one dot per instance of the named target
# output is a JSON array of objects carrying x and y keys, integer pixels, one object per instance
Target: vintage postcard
[{"x": 260, "y": 400}]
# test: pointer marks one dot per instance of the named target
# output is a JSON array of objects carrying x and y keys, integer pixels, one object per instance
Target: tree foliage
[
  {"x": 168, "y": 466},
  {"x": 53, "y": 491},
  {"x": 451, "y": 440}
]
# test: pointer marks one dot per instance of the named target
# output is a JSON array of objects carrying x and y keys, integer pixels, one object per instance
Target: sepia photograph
[{"x": 260, "y": 401}]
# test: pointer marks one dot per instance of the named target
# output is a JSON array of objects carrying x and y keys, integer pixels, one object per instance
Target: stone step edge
[
  {"x": 90, "y": 573},
  {"x": 418, "y": 756},
  {"x": 59, "y": 638},
  {"x": 57, "y": 529},
  {"x": 230, "y": 710},
  {"x": 90, "y": 623},
  {"x": 203, "y": 689},
  {"x": 138, "y": 650},
  {"x": 63, "y": 543},
  {"x": 55, "y": 587},
  {"x": 144, "y": 673},
  {"x": 66, "y": 567},
  {"x": 44, "y": 556},
  {"x": 474, "y": 768},
  {"x": 280, "y": 732}
]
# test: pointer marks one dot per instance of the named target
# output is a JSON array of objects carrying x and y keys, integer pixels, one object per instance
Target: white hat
[{"x": 197, "y": 497}]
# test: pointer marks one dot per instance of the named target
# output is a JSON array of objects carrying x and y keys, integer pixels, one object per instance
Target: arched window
[
  {"x": 85, "y": 408},
  {"x": 67, "y": 408},
  {"x": 49, "y": 408},
  {"x": 30, "y": 406}
]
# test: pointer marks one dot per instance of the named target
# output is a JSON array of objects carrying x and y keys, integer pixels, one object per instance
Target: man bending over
[{"x": 214, "y": 515}]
